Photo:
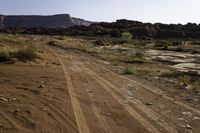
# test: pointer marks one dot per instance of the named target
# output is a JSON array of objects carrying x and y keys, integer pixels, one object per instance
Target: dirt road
[{"x": 82, "y": 95}]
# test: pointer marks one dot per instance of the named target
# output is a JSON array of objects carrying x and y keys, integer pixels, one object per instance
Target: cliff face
[
  {"x": 55, "y": 21},
  {"x": 80, "y": 22}
]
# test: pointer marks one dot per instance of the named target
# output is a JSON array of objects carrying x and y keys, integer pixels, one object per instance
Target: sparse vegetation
[
  {"x": 138, "y": 57},
  {"x": 123, "y": 51},
  {"x": 139, "y": 54},
  {"x": 171, "y": 74},
  {"x": 6, "y": 57},
  {"x": 28, "y": 53},
  {"x": 185, "y": 78},
  {"x": 25, "y": 54}
]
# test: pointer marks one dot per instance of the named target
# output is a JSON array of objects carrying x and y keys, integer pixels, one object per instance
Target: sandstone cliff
[{"x": 55, "y": 21}]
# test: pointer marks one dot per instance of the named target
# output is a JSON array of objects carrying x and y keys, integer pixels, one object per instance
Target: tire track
[
  {"x": 101, "y": 121},
  {"x": 57, "y": 115},
  {"x": 100, "y": 118},
  {"x": 151, "y": 90},
  {"x": 80, "y": 119},
  {"x": 132, "y": 112},
  {"x": 149, "y": 112},
  {"x": 13, "y": 123}
]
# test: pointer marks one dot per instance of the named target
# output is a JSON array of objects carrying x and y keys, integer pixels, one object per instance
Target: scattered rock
[
  {"x": 44, "y": 109},
  {"x": 14, "y": 99},
  {"x": 105, "y": 101},
  {"x": 41, "y": 82},
  {"x": 196, "y": 118},
  {"x": 4, "y": 99},
  {"x": 187, "y": 113},
  {"x": 16, "y": 111},
  {"x": 89, "y": 91},
  {"x": 147, "y": 103},
  {"x": 188, "y": 87},
  {"x": 181, "y": 119},
  {"x": 42, "y": 86},
  {"x": 109, "y": 114},
  {"x": 188, "y": 126},
  {"x": 167, "y": 111}
]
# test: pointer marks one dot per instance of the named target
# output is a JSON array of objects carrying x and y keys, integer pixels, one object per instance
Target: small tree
[{"x": 127, "y": 36}]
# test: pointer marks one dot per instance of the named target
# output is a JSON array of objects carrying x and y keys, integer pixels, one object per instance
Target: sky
[{"x": 164, "y": 11}]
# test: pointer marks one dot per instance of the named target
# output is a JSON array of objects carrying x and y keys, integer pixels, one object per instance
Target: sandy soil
[{"x": 81, "y": 95}]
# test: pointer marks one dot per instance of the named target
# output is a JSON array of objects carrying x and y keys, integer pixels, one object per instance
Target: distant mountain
[{"x": 35, "y": 21}]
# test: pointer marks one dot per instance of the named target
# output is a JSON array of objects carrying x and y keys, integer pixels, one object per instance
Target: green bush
[
  {"x": 127, "y": 36},
  {"x": 130, "y": 70},
  {"x": 4, "y": 56}
]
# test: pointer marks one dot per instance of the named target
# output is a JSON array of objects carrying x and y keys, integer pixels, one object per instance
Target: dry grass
[{"x": 24, "y": 54}]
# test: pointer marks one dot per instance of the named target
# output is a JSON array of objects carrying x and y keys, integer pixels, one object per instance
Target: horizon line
[{"x": 97, "y": 21}]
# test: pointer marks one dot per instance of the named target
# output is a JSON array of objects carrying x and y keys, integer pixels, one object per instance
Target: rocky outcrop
[
  {"x": 55, "y": 21},
  {"x": 139, "y": 30},
  {"x": 1, "y": 21},
  {"x": 79, "y": 22},
  {"x": 66, "y": 25}
]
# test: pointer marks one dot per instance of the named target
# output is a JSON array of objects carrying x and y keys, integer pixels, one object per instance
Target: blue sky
[{"x": 166, "y": 11}]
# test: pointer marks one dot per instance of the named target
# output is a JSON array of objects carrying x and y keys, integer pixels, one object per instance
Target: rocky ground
[{"x": 71, "y": 88}]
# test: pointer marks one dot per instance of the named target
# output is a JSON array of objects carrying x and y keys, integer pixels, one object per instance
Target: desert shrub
[
  {"x": 100, "y": 43},
  {"x": 171, "y": 74},
  {"x": 133, "y": 59},
  {"x": 129, "y": 70},
  {"x": 28, "y": 53},
  {"x": 185, "y": 79},
  {"x": 196, "y": 86},
  {"x": 138, "y": 57},
  {"x": 139, "y": 54},
  {"x": 127, "y": 36},
  {"x": 162, "y": 44},
  {"x": 4, "y": 56}
]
